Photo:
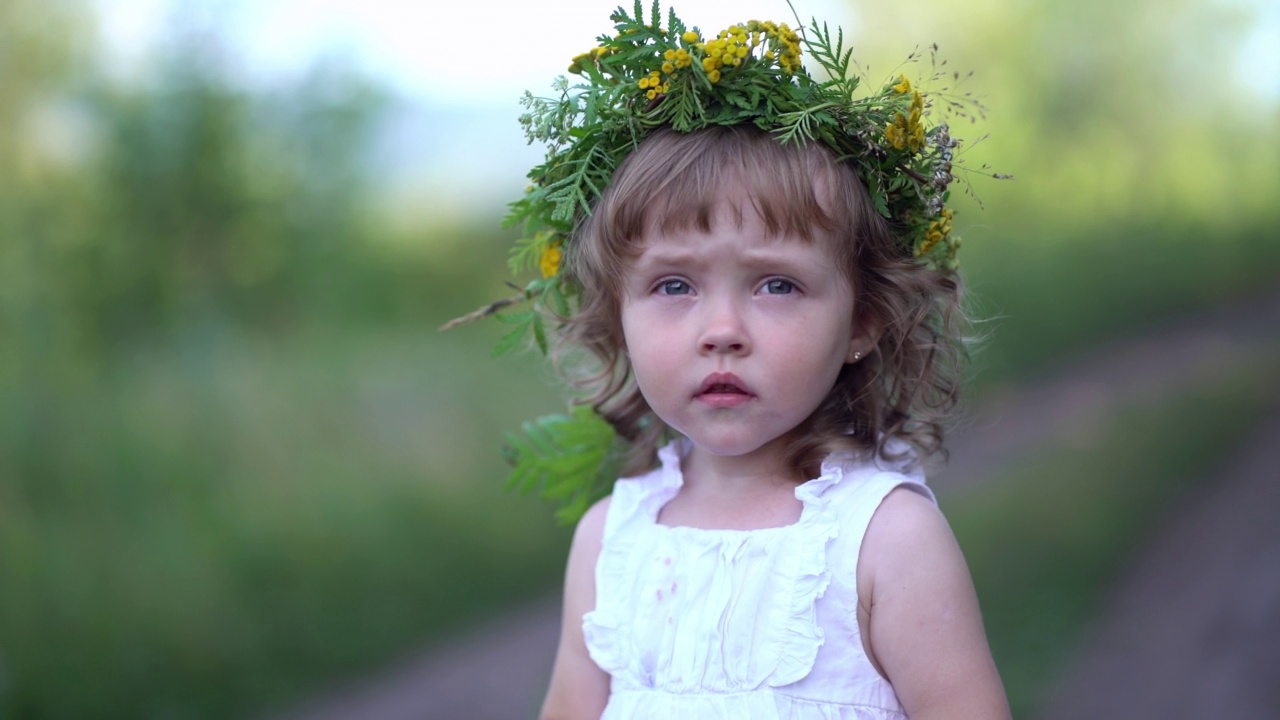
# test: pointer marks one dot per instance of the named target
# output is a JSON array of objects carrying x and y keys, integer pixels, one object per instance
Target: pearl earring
[{"x": 857, "y": 356}]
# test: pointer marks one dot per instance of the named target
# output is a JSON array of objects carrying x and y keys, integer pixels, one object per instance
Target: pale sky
[
  {"x": 468, "y": 61},
  {"x": 476, "y": 53},
  {"x": 449, "y": 51}
]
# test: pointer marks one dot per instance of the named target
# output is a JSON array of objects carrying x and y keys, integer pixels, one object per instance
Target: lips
[{"x": 723, "y": 390}]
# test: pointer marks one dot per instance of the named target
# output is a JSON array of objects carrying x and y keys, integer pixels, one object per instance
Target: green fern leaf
[{"x": 565, "y": 458}]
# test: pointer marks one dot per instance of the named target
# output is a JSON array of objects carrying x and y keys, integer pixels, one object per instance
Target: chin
[{"x": 727, "y": 447}]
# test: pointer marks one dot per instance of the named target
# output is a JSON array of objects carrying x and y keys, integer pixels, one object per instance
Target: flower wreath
[{"x": 650, "y": 75}]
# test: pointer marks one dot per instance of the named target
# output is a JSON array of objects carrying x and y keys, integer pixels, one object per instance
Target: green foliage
[
  {"x": 217, "y": 533},
  {"x": 1041, "y": 302},
  {"x": 567, "y": 458},
  {"x": 526, "y": 324},
  {"x": 199, "y": 205},
  {"x": 172, "y": 543}
]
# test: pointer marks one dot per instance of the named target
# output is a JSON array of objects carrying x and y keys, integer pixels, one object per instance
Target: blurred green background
[{"x": 237, "y": 462}]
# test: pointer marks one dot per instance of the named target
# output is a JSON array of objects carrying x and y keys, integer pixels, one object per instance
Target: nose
[{"x": 723, "y": 329}]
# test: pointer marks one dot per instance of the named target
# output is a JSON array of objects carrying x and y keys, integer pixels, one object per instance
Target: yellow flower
[
  {"x": 904, "y": 85},
  {"x": 549, "y": 262},
  {"x": 668, "y": 67},
  {"x": 690, "y": 37},
  {"x": 591, "y": 56},
  {"x": 906, "y": 131},
  {"x": 651, "y": 94},
  {"x": 895, "y": 135},
  {"x": 937, "y": 231},
  {"x": 644, "y": 83},
  {"x": 714, "y": 76}
]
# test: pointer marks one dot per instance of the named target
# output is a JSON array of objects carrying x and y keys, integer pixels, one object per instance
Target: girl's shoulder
[
  {"x": 921, "y": 613},
  {"x": 588, "y": 536}
]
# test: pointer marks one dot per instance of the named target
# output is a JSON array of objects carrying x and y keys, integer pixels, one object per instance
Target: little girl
[
  {"x": 785, "y": 559},
  {"x": 762, "y": 268}
]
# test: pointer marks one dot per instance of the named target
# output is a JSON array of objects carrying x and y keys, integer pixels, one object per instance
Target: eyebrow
[
  {"x": 757, "y": 257},
  {"x": 649, "y": 256}
]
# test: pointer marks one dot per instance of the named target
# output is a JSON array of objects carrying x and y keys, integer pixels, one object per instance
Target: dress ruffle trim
[
  {"x": 635, "y": 501},
  {"x": 813, "y": 534},
  {"x": 639, "y": 500},
  {"x": 818, "y": 528}
]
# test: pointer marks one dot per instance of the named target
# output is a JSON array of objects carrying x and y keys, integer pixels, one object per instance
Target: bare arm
[
  {"x": 579, "y": 688},
  {"x": 924, "y": 628}
]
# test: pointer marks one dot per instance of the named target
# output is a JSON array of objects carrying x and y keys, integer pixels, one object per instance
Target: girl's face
[{"x": 737, "y": 335}]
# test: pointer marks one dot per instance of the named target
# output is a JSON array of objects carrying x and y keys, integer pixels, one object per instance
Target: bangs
[{"x": 683, "y": 181}]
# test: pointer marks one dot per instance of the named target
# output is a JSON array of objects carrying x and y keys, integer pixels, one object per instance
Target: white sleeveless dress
[{"x": 694, "y": 624}]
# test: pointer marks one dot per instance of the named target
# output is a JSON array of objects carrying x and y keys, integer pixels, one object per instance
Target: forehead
[
  {"x": 798, "y": 209},
  {"x": 729, "y": 254},
  {"x": 732, "y": 222},
  {"x": 675, "y": 182}
]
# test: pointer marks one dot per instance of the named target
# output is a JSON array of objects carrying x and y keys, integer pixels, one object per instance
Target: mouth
[{"x": 721, "y": 385}]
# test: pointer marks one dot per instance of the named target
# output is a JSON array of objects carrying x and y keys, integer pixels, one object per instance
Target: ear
[{"x": 866, "y": 334}]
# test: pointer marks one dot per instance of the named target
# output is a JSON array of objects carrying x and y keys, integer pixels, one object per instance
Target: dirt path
[
  {"x": 500, "y": 671},
  {"x": 1193, "y": 628}
]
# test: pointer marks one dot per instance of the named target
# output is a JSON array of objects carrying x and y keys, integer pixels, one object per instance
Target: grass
[
  {"x": 1043, "y": 294},
  {"x": 1047, "y": 537},
  {"x": 199, "y": 537}
]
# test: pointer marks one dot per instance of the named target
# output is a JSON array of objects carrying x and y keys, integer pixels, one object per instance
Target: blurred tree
[
  {"x": 171, "y": 212},
  {"x": 177, "y": 203},
  {"x": 43, "y": 51},
  {"x": 1109, "y": 111},
  {"x": 221, "y": 206}
]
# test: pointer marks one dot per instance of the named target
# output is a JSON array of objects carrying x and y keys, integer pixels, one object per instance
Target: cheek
[
  {"x": 627, "y": 331},
  {"x": 638, "y": 342},
  {"x": 821, "y": 361}
]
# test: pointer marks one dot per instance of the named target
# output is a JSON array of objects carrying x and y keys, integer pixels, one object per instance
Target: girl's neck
[
  {"x": 731, "y": 475},
  {"x": 737, "y": 493}
]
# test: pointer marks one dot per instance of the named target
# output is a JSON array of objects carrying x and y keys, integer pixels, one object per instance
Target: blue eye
[
  {"x": 779, "y": 287},
  {"x": 674, "y": 287}
]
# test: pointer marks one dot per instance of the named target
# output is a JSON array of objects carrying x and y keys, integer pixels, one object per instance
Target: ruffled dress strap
[
  {"x": 867, "y": 483},
  {"x": 639, "y": 499},
  {"x": 841, "y": 679},
  {"x": 634, "y": 504}
]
